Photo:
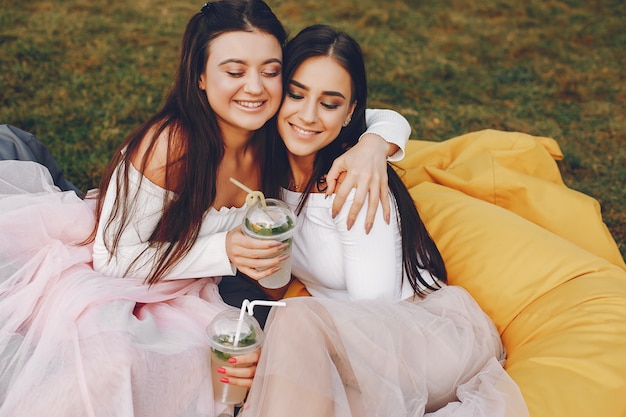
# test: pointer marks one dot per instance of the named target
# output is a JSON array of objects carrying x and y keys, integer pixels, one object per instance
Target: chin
[
  {"x": 253, "y": 124},
  {"x": 302, "y": 151}
]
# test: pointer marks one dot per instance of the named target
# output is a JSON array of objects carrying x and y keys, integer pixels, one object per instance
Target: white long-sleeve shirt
[
  {"x": 391, "y": 126},
  {"x": 207, "y": 257},
  {"x": 334, "y": 262}
]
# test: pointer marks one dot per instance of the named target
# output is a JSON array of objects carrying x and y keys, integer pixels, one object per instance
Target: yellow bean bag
[{"x": 537, "y": 258}]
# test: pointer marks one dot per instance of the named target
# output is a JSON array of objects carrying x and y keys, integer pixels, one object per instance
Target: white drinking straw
[
  {"x": 252, "y": 196},
  {"x": 249, "y": 306}
]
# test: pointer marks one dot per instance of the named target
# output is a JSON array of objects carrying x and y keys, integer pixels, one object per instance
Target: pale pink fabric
[
  {"x": 440, "y": 356},
  {"x": 76, "y": 343}
]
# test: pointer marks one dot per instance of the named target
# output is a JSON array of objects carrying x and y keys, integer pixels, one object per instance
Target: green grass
[{"x": 80, "y": 75}]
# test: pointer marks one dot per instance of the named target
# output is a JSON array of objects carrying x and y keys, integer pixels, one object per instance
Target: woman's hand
[
  {"x": 242, "y": 371},
  {"x": 255, "y": 258},
  {"x": 365, "y": 168}
]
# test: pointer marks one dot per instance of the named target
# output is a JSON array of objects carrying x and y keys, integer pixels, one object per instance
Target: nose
[
  {"x": 308, "y": 111},
  {"x": 254, "y": 83}
]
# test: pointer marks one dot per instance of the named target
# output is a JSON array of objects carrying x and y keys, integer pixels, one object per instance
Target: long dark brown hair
[
  {"x": 419, "y": 251},
  {"x": 195, "y": 145}
]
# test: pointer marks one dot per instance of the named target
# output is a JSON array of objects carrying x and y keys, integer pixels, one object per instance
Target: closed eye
[
  {"x": 294, "y": 96},
  {"x": 330, "y": 106},
  {"x": 272, "y": 74}
]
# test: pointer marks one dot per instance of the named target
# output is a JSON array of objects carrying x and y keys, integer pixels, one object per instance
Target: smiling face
[
  {"x": 317, "y": 104},
  {"x": 242, "y": 80}
]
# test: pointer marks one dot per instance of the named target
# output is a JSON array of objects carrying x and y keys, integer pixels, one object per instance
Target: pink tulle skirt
[
  {"x": 76, "y": 343},
  {"x": 441, "y": 356}
]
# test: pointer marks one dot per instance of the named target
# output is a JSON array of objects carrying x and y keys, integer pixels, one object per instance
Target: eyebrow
[
  {"x": 241, "y": 61},
  {"x": 325, "y": 93}
]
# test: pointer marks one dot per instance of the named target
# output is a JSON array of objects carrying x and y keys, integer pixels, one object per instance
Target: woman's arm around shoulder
[
  {"x": 372, "y": 267},
  {"x": 364, "y": 166}
]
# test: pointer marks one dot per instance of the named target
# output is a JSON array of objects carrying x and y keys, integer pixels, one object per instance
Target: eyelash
[
  {"x": 295, "y": 96},
  {"x": 269, "y": 74}
]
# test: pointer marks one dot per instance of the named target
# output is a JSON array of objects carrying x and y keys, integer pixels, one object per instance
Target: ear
[
  {"x": 352, "y": 108},
  {"x": 350, "y": 113},
  {"x": 348, "y": 118},
  {"x": 201, "y": 83}
]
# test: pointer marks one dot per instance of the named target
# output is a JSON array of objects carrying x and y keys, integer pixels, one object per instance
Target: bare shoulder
[{"x": 154, "y": 154}]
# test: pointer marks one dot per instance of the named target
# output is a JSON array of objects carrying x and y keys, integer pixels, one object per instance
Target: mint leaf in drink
[
  {"x": 221, "y": 355},
  {"x": 249, "y": 339},
  {"x": 265, "y": 230},
  {"x": 229, "y": 340}
]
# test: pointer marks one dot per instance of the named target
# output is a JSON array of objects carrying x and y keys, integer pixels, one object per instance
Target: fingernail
[
  {"x": 368, "y": 228},
  {"x": 387, "y": 219},
  {"x": 224, "y": 380},
  {"x": 350, "y": 223},
  {"x": 221, "y": 370},
  {"x": 232, "y": 360},
  {"x": 334, "y": 214},
  {"x": 283, "y": 256}
]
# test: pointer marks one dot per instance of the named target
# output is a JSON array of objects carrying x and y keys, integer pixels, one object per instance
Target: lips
[
  {"x": 303, "y": 132},
  {"x": 250, "y": 104}
]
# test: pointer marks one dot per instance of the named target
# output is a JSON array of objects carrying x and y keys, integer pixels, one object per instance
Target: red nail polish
[
  {"x": 224, "y": 380},
  {"x": 232, "y": 360},
  {"x": 221, "y": 370}
]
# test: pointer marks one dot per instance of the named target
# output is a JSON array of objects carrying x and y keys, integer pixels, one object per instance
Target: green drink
[
  {"x": 222, "y": 334},
  {"x": 275, "y": 221}
]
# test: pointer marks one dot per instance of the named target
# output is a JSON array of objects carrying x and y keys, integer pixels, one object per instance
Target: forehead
[
  {"x": 323, "y": 73},
  {"x": 249, "y": 47}
]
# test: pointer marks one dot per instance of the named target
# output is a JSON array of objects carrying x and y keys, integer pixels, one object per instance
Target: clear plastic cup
[
  {"x": 221, "y": 334},
  {"x": 275, "y": 221}
]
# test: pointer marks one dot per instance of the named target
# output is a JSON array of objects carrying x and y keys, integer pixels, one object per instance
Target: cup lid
[
  {"x": 222, "y": 330},
  {"x": 273, "y": 219}
]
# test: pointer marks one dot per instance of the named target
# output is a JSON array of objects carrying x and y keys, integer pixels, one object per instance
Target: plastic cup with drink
[
  {"x": 270, "y": 219},
  {"x": 234, "y": 333}
]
